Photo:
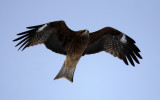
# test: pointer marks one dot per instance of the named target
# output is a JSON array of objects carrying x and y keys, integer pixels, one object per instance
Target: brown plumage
[{"x": 57, "y": 37}]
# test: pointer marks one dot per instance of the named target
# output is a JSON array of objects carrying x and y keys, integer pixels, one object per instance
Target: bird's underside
[{"x": 57, "y": 37}]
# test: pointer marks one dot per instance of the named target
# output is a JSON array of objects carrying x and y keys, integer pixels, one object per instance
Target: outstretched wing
[
  {"x": 51, "y": 34},
  {"x": 114, "y": 42}
]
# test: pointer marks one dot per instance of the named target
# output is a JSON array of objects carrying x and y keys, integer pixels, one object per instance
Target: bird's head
[{"x": 84, "y": 32}]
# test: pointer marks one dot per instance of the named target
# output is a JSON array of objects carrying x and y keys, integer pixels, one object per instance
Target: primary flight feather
[{"x": 57, "y": 37}]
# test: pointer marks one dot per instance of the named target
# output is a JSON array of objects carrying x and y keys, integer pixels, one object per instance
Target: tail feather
[{"x": 66, "y": 72}]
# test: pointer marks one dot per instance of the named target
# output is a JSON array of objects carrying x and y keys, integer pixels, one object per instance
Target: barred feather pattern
[
  {"x": 33, "y": 37},
  {"x": 113, "y": 47},
  {"x": 122, "y": 49},
  {"x": 39, "y": 37},
  {"x": 125, "y": 50}
]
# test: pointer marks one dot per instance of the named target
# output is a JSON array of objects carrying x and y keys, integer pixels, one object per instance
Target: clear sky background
[{"x": 29, "y": 75}]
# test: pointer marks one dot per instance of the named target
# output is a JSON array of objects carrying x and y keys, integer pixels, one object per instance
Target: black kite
[{"x": 57, "y": 37}]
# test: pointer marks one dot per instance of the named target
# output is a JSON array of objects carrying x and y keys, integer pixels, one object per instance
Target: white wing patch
[
  {"x": 123, "y": 39},
  {"x": 41, "y": 28}
]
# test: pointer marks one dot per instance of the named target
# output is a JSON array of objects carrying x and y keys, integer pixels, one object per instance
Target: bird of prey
[{"x": 57, "y": 37}]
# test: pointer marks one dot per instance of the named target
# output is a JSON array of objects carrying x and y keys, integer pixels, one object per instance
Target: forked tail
[{"x": 66, "y": 72}]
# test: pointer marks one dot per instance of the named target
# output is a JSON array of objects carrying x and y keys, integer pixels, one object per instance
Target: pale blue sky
[{"x": 29, "y": 75}]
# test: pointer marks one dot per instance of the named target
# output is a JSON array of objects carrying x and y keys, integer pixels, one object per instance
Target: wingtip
[
  {"x": 140, "y": 56},
  {"x": 14, "y": 40},
  {"x": 19, "y": 49},
  {"x": 132, "y": 63}
]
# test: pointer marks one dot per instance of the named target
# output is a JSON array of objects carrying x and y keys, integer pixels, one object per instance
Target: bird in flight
[{"x": 57, "y": 37}]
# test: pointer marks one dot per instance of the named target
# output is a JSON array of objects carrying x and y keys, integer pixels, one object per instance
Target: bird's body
[
  {"x": 74, "y": 44},
  {"x": 74, "y": 50}
]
